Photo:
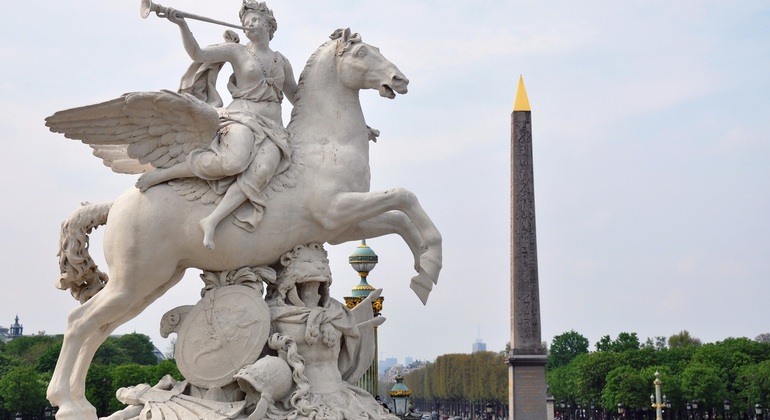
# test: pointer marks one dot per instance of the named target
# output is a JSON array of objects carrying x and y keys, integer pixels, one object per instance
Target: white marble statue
[
  {"x": 318, "y": 191},
  {"x": 307, "y": 370}
]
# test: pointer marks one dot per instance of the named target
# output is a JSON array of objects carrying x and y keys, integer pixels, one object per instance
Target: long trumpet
[{"x": 148, "y": 7}]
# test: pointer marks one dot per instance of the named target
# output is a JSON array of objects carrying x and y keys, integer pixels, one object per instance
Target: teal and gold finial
[
  {"x": 522, "y": 102},
  {"x": 363, "y": 260}
]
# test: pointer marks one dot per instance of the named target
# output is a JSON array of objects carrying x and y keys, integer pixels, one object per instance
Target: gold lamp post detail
[{"x": 363, "y": 260}]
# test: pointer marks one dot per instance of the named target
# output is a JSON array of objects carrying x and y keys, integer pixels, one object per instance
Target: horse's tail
[{"x": 79, "y": 272}]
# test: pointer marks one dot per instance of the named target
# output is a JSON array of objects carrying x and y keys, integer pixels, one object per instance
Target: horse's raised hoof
[
  {"x": 430, "y": 265},
  {"x": 422, "y": 285}
]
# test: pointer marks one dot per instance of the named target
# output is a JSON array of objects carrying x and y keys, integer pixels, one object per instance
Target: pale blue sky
[{"x": 651, "y": 124}]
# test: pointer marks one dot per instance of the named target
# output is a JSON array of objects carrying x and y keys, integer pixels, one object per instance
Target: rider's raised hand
[{"x": 173, "y": 16}]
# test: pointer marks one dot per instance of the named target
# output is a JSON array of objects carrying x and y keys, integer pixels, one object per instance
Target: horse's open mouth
[{"x": 387, "y": 92}]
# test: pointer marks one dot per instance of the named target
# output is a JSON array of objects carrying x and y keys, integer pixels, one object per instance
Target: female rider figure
[{"x": 252, "y": 144}]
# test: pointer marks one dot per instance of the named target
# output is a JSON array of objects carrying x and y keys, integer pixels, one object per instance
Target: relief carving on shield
[{"x": 225, "y": 331}]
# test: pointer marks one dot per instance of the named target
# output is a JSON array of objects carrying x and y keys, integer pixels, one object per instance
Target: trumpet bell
[{"x": 145, "y": 8}]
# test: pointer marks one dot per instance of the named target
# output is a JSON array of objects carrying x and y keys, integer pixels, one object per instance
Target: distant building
[
  {"x": 390, "y": 373},
  {"x": 15, "y": 331},
  {"x": 386, "y": 364},
  {"x": 479, "y": 345},
  {"x": 408, "y": 360}
]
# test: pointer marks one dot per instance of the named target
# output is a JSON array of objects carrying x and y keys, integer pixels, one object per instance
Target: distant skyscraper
[
  {"x": 387, "y": 364},
  {"x": 479, "y": 345}
]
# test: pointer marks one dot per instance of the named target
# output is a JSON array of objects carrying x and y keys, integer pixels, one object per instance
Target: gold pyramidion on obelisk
[
  {"x": 527, "y": 389},
  {"x": 522, "y": 102}
]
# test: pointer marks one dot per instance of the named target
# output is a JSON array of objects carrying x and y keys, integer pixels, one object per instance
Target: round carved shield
[{"x": 225, "y": 331}]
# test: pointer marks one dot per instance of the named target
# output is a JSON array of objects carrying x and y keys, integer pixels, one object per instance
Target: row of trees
[
  {"x": 621, "y": 370},
  {"x": 27, "y": 363},
  {"x": 460, "y": 380}
]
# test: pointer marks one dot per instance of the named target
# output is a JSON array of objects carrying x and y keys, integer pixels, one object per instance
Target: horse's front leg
[
  {"x": 353, "y": 208},
  {"x": 385, "y": 224}
]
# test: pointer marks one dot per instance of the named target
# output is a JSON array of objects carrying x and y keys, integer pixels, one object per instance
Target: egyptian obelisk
[{"x": 526, "y": 378}]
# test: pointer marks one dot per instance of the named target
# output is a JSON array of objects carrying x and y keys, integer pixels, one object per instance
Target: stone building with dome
[{"x": 16, "y": 330}]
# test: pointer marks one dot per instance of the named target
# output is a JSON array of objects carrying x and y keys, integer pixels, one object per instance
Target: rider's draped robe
[{"x": 231, "y": 159}]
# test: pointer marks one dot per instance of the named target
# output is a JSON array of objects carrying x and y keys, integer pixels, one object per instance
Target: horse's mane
[{"x": 311, "y": 63}]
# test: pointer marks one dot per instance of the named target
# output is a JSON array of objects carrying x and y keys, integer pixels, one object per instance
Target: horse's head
[{"x": 362, "y": 66}]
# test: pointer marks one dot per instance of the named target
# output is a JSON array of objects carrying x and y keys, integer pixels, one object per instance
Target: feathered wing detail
[
  {"x": 140, "y": 130},
  {"x": 195, "y": 189}
]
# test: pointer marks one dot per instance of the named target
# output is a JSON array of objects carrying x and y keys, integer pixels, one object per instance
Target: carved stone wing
[{"x": 142, "y": 130}]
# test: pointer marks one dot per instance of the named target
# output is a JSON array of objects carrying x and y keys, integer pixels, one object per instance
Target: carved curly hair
[{"x": 284, "y": 290}]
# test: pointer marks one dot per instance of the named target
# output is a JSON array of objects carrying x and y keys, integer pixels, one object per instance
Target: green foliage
[
  {"x": 704, "y": 383},
  {"x": 127, "y": 375},
  {"x": 563, "y": 382},
  {"x": 47, "y": 360},
  {"x": 737, "y": 369},
  {"x": 8, "y": 362},
  {"x": 138, "y": 348},
  {"x": 479, "y": 377},
  {"x": 625, "y": 384},
  {"x": 592, "y": 370},
  {"x": 30, "y": 348},
  {"x": 26, "y": 365},
  {"x": 683, "y": 339},
  {"x": 109, "y": 353},
  {"x": 99, "y": 389},
  {"x": 565, "y": 347},
  {"x": 22, "y": 389},
  {"x": 624, "y": 342}
]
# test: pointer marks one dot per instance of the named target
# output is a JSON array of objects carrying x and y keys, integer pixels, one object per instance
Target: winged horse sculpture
[{"x": 152, "y": 237}]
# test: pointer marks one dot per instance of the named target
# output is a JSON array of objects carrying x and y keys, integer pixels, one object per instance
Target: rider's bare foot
[
  {"x": 150, "y": 179},
  {"x": 208, "y": 226}
]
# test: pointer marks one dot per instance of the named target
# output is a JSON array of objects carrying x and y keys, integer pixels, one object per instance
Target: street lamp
[
  {"x": 758, "y": 411},
  {"x": 48, "y": 413},
  {"x": 19, "y": 416},
  {"x": 655, "y": 400},
  {"x": 621, "y": 409},
  {"x": 489, "y": 409},
  {"x": 726, "y": 406},
  {"x": 668, "y": 406},
  {"x": 400, "y": 395}
]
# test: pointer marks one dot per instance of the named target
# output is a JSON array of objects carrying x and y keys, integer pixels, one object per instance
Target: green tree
[
  {"x": 565, "y": 347},
  {"x": 30, "y": 348},
  {"x": 8, "y": 362},
  {"x": 592, "y": 370},
  {"x": 99, "y": 389},
  {"x": 22, "y": 390},
  {"x": 624, "y": 342},
  {"x": 625, "y": 384},
  {"x": 683, "y": 339},
  {"x": 138, "y": 348},
  {"x": 110, "y": 353},
  {"x": 562, "y": 382},
  {"x": 704, "y": 383},
  {"x": 127, "y": 375},
  {"x": 47, "y": 361}
]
